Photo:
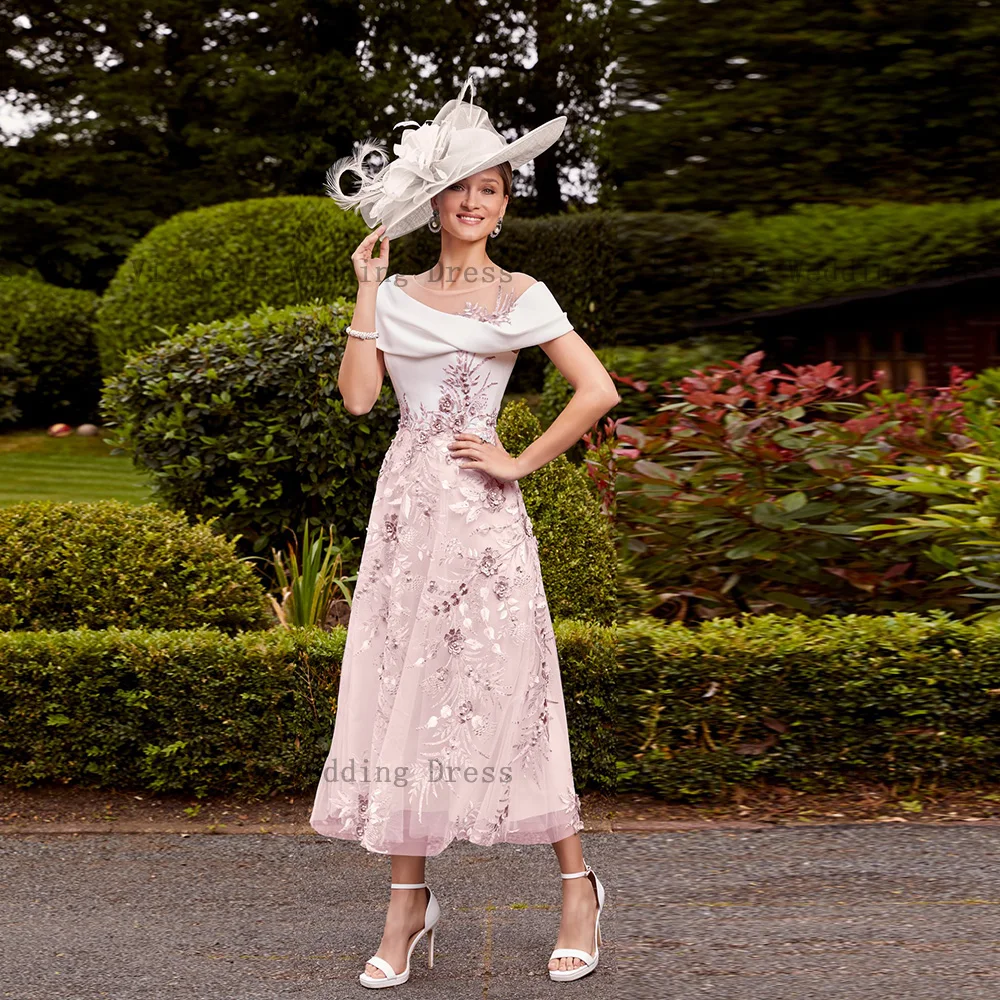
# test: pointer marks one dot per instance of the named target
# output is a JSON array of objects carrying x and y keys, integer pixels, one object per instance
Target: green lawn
[{"x": 34, "y": 466}]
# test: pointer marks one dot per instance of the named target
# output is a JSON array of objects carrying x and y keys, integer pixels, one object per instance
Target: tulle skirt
[{"x": 450, "y": 721}]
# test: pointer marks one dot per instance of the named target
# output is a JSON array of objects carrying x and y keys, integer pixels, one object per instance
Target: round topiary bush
[
  {"x": 93, "y": 565},
  {"x": 50, "y": 331},
  {"x": 216, "y": 262},
  {"x": 241, "y": 419},
  {"x": 575, "y": 542}
]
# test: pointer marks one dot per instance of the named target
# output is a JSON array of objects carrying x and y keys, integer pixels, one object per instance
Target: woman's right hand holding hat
[{"x": 369, "y": 269}]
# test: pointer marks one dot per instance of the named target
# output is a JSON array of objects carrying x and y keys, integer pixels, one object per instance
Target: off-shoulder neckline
[{"x": 392, "y": 281}]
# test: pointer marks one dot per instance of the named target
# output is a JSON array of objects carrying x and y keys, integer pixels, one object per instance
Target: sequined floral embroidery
[
  {"x": 464, "y": 400},
  {"x": 450, "y": 621}
]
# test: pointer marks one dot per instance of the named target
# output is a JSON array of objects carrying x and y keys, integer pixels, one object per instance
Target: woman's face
[{"x": 469, "y": 208}]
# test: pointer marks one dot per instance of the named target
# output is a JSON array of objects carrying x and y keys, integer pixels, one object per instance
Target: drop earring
[
  {"x": 497, "y": 228},
  {"x": 434, "y": 223}
]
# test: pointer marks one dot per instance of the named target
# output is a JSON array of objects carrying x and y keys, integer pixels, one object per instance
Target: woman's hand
[
  {"x": 368, "y": 269},
  {"x": 489, "y": 458}
]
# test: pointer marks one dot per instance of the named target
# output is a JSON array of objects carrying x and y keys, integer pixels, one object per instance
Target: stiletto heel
[
  {"x": 590, "y": 961},
  {"x": 431, "y": 917}
]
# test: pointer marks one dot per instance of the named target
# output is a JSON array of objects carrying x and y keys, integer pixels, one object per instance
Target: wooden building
[{"x": 913, "y": 333}]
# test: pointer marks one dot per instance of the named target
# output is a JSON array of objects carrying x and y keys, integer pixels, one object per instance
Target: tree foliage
[
  {"x": 768, "y": 103},
  {"x": 178, "y": 104}
]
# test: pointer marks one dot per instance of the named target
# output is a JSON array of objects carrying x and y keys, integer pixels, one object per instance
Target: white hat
[{"x": 459, "y": 141}]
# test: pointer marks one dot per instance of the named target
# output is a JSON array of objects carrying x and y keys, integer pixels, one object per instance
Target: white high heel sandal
[
  {"x": 567, "y": 975},
  {"x": 393, "y": 978}
]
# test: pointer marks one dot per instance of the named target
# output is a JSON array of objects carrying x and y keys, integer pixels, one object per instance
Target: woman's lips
[{"x": 468, "y": 221}]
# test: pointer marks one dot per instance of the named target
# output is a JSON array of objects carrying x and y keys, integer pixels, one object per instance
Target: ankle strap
[
  {"x": 408, "y": 885},
  {"x": 575, "y": 874}
]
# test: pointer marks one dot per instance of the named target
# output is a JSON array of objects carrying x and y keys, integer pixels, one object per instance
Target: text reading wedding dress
[{"x": 450, "y": 720}]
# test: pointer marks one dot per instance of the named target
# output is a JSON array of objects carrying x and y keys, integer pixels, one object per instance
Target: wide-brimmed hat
[{"x": 457, "y": 142}]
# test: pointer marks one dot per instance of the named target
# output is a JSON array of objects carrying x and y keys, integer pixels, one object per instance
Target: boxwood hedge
[
  {"x": 201, "y": 712},
  {"x": 94, "y": 565},
  {"x": 222, "y": 260},
  {"x": 808, "y": 702},
  {"x": 241, "y": 419},
  {"x": 50, "y": 331},
  {"x": 576, "y": 546}
]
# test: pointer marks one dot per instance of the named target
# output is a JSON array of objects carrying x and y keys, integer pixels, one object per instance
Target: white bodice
[{"x": 449, "y": 367}]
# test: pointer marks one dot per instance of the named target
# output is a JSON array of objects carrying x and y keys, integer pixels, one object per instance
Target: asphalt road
[{"x": 827, "y": 912}]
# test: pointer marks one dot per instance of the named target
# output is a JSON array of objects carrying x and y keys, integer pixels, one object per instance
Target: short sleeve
[{"x": 538, "y": 318}]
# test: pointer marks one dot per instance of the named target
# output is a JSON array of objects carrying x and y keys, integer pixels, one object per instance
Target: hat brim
[{"x": 517, "y": 153}]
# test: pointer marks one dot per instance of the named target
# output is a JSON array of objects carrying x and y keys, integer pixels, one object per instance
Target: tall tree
[
  {"x": 161, "y": 107},
  {"x": 176, "y": 104},
  {"x": 765, "y": 103}
]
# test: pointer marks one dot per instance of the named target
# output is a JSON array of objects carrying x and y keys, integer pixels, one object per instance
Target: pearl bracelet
[{"x": 362, "y": 334}]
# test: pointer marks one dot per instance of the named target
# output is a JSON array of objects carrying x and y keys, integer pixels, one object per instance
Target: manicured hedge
[
  {"x": 50, "y": 331},
  {"x": 93, "y": 565},
  {"x": 641, "y": 277},
  {"x": 817, "y": 251},
  {"x": 576, "y": 546},
  {"x": 904, "y": 699},
  {"x": 810, "y": 703},
  {"x": 223, "y": 260},
  {"x": 201, "y": 712},
  {"x": 242, "y": 419},
  {"x": 15, "y": 382}
]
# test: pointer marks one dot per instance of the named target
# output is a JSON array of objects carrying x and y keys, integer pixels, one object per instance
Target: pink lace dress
[{"x": 450, "y": 719}]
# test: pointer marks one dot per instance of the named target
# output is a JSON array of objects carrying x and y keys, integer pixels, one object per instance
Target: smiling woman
[{"x": 450, "y": 660}]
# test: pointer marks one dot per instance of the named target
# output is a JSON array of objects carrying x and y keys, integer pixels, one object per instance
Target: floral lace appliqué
[
  {"x": 464, "y": 401},
  {"x": 501, "y": 310},
  {"x": 451, "y": 643}
]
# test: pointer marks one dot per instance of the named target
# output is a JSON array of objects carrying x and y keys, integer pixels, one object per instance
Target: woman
[{"x": 450, "y": 720}]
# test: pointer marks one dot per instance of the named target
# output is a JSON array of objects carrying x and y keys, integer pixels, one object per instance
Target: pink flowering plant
[{"x": 747, "y": 488}]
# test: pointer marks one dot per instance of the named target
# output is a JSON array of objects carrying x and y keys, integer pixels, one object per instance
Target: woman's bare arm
[
  {"x": 594, "y": 395},
  {"x": 362, "y": 368}
]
